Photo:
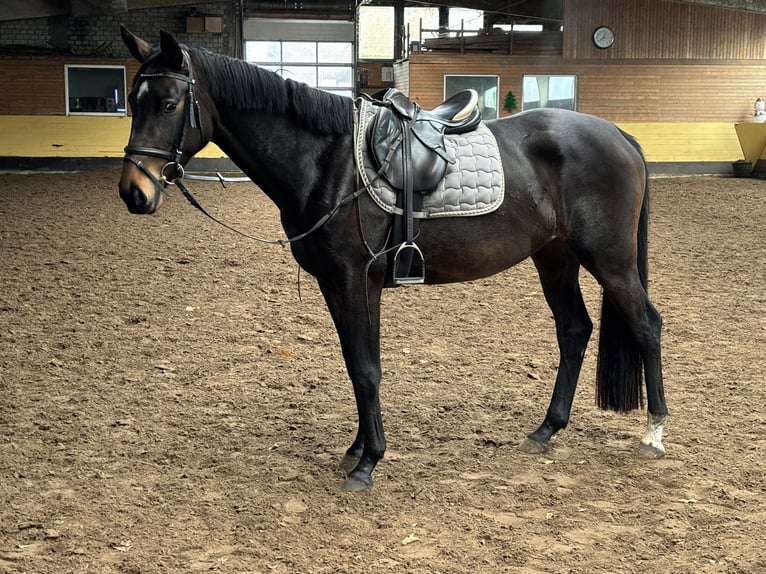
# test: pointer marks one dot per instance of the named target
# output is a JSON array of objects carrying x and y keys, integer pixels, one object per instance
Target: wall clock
[{"x": 603, "y": 37}]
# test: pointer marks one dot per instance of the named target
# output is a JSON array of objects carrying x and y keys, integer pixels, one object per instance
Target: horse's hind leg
[
  {"x": 644, "y": 324},
  {"x": 558, "y": 269},
  {"x": 657, "y": 409}
]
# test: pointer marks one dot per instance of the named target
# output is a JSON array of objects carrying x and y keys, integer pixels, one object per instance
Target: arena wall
[{"x": 679, "y": 77}]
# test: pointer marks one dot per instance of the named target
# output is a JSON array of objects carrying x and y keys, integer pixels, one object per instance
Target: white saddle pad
[{"x": 473, "y": 185}]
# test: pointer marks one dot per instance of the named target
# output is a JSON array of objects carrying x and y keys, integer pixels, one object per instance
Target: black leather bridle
[{"x": 173, "y": 156}]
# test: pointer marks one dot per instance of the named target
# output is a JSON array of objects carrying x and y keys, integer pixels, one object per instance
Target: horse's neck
[{"x": 279, "y": 156}]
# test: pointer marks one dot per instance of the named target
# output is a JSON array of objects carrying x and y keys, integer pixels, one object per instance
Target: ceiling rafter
[{"x": 541, "y": 10}]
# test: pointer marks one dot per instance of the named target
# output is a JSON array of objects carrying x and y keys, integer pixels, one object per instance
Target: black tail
[{"x": 619, "y": 373}]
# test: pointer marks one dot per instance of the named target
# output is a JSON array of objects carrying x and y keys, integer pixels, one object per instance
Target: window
[
  {"x": 94, "y": 90},
  {"x": 420, "y": 24},
  {"x": 376, "y": 32},
  {"x": 466, "y": 19},
  {"x": 377, "y": 25},
  {"x": 319, "y": 53},
  {"x": 486, "y": 86},
  {"x": 549, "y": 92},
  {"x": 323, "y": 65}
]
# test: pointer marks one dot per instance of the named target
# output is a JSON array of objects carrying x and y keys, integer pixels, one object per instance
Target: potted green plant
[{"x": 510, "y": 102}]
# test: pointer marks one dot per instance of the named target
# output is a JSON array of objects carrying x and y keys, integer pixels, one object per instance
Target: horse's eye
[{"x": 169, "y": 107}]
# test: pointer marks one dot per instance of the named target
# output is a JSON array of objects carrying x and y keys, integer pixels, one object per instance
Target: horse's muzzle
[{"x": 137, "y": 201}]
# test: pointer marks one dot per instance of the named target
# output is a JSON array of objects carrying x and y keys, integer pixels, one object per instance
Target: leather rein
[{"x": 173, "y": 159}]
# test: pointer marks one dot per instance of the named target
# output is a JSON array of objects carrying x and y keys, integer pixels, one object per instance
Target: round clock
[{"x": 603, "y": 37}]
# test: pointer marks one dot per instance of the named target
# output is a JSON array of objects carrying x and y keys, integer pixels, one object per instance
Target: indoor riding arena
[
  {"x": 174, "y": 399},
  {"x": 173, "y": 394}
]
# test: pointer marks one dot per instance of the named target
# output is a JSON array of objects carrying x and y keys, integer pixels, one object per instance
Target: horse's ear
[
  {"x": 171, "y": 49},
  {"x": 138, "y": 47}
]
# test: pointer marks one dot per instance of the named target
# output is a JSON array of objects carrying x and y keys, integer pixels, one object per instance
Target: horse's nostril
[{"x": 136, "y": 200}]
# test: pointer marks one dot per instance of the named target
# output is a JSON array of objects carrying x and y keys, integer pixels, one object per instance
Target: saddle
[
  {"x": 407, "y": 146},
  {"x": 401, "y": 123}
]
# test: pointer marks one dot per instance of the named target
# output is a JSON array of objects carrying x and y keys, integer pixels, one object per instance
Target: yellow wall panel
[
  {"x": 90, "y": 136},
  {"x": 70, "y": 136},
  {"x": 673, "y": 142}
]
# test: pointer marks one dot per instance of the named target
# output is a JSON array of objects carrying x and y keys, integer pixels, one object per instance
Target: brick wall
[
  {"x": 100, "y": 35},
  {"x": 35, "y": 33}
]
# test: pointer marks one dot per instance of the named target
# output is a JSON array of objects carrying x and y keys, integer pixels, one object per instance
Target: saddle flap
[
  {"x": 432, "y": 138},
  {"x": 428, "y": 157}
]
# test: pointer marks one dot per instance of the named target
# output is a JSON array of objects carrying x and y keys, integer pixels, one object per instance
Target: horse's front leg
[{"x": 355, "y": 309}]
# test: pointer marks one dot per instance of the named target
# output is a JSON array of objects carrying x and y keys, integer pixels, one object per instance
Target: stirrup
[{"x": 417, "y": 264}]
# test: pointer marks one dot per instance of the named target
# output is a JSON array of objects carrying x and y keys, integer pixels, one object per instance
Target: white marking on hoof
[{"x": 652, "y": 439}]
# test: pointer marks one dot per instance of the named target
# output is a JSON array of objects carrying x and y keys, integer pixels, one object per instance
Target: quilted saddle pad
[{"x": 473, "y": 185}]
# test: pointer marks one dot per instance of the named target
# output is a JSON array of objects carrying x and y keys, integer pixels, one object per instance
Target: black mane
[{"x": 246, "y": 86}]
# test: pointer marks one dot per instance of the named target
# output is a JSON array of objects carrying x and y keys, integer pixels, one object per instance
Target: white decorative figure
[{"x": 759, "y": 112}]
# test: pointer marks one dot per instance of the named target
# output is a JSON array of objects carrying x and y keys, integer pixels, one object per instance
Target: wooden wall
[
  {"x": 680, "y": 111},
  {"x": 663, "y": 29},
  {"x": 375, "y": 81},
  {"x": 671, "y": 62},
  {"x": 619, "y": 90},
  {"x": 35, "y": 85}
]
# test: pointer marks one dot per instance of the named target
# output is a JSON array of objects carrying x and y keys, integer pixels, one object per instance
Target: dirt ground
[{"x": 169, "y": 403}]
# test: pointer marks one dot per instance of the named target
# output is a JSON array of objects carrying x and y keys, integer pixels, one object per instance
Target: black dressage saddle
[
  {"x": 408, "y": 142},
  {"x": 407, "y": 145}
]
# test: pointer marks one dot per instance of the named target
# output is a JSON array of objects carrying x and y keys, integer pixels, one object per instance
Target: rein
[{"x": 283, "y": 242}]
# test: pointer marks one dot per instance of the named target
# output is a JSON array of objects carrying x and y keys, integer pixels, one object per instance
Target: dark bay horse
[{"x": 576, "y": 194}]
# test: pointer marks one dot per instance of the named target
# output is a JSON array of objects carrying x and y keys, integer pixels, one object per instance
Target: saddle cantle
[{"x": 401, "y": 121}]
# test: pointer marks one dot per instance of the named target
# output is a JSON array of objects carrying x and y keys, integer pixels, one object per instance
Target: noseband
[{"x": 172, "y": 157}]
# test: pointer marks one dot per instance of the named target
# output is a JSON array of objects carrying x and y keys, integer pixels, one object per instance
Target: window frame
[
  {"x": 67, "y": 98},
  {"x": 496, "y": 77},
  {"x": 281, "y": 66},
  {"x": 549, "y": 76}
]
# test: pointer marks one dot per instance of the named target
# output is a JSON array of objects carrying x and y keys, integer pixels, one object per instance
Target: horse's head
[{"x": 169, "y": 123}]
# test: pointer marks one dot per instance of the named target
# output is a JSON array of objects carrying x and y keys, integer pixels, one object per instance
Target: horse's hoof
[
  {"x": 349, "y": 463},
  {"x": 650, "y": 451},
  {"x": 352, "y": 484},
  {"x": 531, "y": 446}
]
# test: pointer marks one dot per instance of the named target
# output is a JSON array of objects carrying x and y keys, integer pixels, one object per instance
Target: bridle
[
  {"x": 173, "y": 158},
  {"x": 193, "y": 120}
]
